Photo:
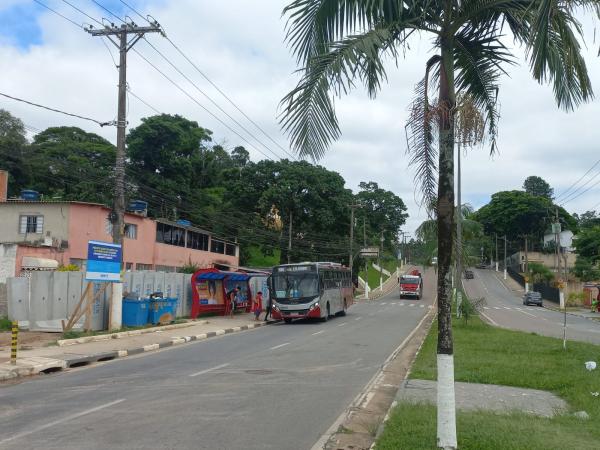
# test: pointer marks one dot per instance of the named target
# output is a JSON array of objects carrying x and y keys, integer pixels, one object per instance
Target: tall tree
[
  {"x": 341, "y": 42},
  {"x": 538, "y": 187},
  {"x": 72, "y": 164},
  {"x": 12, "y": 144}
]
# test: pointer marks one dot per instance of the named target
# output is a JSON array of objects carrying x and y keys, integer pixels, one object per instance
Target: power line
[
  {"x": 102, "y": 124},
  {"x": 108, "y": 11},
  {"x": 214, "y": 85},
  {"x": 83, "y": 12},
  {"x": 57, "y": 13},
  {"x": 198, "y": 103},
  {"x": 143, "y": 101},
  {"x": 574, "y": 184},
  {"x": 581, "y": 193},
  {"x": 210, "y": 99}
]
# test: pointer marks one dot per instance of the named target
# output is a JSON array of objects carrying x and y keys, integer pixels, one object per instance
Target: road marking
[
  {"x": 279, "y": 346},
  {"x": 506, "y": 307},
  {"x": 529, "y": 314},
  {"x": 486, "y": 307},
  {"x": 202, "y": 372},
  {"x": 59, "y": 421},
  {"x": 489, "y": 319},
  {"x": 342, "y": 324},
  {"x": 496, "y": 307},
  {"x": 402, "y": 303},
  {"x": 421, "y": 306},
  {"x": 384, "y": 303},
  {"x": 531, "y": 309},
  {"x": 412, "y": 304},
  {"x": 318, "y": 332},
  {"x": 358, "y": 318}
]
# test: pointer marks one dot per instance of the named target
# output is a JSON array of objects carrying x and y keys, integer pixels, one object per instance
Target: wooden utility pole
[
  {"x": 120, "y": 37},
  {"x": 351, "y": 256},
  {"x": 289, "y": 255}
]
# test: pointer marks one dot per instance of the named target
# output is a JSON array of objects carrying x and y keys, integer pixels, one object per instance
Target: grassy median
[{"x": 485, "y": 354}]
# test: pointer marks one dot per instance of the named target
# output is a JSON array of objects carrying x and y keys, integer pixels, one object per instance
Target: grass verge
[
  {"x": 5, "y": 324},
  {"x": 485, "y": 354}
]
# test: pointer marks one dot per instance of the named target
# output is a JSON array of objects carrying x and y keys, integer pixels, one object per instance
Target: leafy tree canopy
[
  {"x": 538, "y": 187},
  {"x": 517, "y": 213},
  {"x": 587, "y": 244},
  {"x": 587, "y": 219},
  {"x": 12, "y": 144}
]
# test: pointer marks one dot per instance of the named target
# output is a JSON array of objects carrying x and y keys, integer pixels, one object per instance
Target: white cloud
[{"x": 240, "y": 45}]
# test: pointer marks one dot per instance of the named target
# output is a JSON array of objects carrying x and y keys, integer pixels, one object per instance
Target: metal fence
[
  {"x": 40, "y": 302},
  {"x": 548, "y": 292},
  {"x": 516, "y": 276}
]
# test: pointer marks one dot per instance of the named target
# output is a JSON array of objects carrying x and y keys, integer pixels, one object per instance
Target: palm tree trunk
[{"x": 446, "y": 418}]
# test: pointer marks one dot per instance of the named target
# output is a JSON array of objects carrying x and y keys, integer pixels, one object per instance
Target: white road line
[
  {"x": 402, "y": 303},
  {"x": 358, "y": 318},
  {"x": 384, "y": 303},
  {"x": 489, "y": 319},
  {"x": 318, "y": 332},
  {"x": 486, "y": 307},
  {"x": 202, "y": 372},
  {"x": 59, "y": 421},
  {"x": 279, "y": 346},
  {"x": 342, "y": 324},
  {"x": 421, "y": 306},
  {"x": 496, "y": 307},
  {"x": 506, "y": 307},
  {"x": 529, "y": 314},
  {"x": 412, "y": 304}
]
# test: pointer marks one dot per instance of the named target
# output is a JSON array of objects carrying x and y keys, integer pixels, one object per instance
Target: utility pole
[
  {"x": 557, "y": 231},
  {"x": 351, "y": 256},
  {"x": 366, "y": 262},
  {"x": 526, "y": 266},
  {"x": 505, "y": 260},
  {"x": 379, "y": 263},
  {"x": 496, "y": 235},
  {"x": 119, "y": 36},
  {"x": 289, "y": 255}
]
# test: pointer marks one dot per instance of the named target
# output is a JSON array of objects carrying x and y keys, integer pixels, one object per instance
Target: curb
[
  {"x": 34, "y": 366},
  {"x": 122, "y": 334},
  {"x": 595, "y": 319}
]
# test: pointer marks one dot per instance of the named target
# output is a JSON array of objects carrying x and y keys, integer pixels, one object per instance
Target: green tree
[
  {"x": 587, "y": 244},
  {"x": 585, "y": 270},
  {"x": 587, "y": 219},
  {"x": 517, "y": 213},
  {"x": 72, "y": 164},
  {"x": 12, "y": 144},
  {"x": 538, "y": 187},
  {"x": 383, "y": 211},
  {"x": 339, "y": 43}
]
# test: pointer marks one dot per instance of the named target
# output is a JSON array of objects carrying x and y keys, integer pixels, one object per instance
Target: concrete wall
[
  {"x": 8, "y": 258},
  {"x": 56, "y": 221},
  {"x": 517, "y": 261}
]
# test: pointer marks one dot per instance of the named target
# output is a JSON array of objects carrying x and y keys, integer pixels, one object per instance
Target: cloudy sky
[{"x": 239, "y": 45}]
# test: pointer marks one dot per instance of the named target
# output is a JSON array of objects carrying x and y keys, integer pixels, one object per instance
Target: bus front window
[{"x": 295, "y": 285}]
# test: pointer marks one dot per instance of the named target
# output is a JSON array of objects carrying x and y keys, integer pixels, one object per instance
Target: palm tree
[{"x": 339, "y": 43}]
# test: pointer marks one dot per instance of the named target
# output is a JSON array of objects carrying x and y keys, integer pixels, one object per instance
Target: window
[
  {"x": 140, "y": 266},
  {"x": 131, "y": 231},
  {"x": 165, "y": 268},
  {"x": 108, "y": 227},
  {"x": 128, "y": 266},
  {"x": 230, "y": 249},
  {"x": 169, "y": 234},
  {"x": 197, "y": 241},
  {"x": 31, "y": 224},
  {"x": 217, "y": 246}
]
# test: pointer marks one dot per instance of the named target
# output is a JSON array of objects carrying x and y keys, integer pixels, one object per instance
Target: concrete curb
[
  {"x": 35, "y": 365},
  {"x": 595, "y": 319},
  {"x": 122, "y": 334}
]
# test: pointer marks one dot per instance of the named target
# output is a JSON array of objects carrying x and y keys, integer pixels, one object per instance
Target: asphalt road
[
  {"x": 505, "y": 308},
  {"x": 276, "y": 387}
]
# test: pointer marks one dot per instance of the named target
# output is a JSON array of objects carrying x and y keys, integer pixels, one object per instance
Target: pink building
[{"x": 48, "y": 234}]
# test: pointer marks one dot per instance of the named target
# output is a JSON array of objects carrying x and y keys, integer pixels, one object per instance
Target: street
[
  {"x": 505, "y": 308},
  {"x": 278, "y": 387}
]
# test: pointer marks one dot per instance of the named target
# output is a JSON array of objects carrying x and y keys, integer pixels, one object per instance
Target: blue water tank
[
  {"x": 27, "y": 194},
  {"x": 137, "y": 206},
  {"x": 184, "y": 223}
]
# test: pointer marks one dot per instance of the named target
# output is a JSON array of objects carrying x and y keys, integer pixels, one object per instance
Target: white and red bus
[{"x": 310, "y": 290}]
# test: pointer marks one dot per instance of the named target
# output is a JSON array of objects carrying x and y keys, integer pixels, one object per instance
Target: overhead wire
[
  {"x": 59, "y": 14},
  {"x": 102, "y": 124}
]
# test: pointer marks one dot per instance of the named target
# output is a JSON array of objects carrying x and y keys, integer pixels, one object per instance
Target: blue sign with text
[{"x": 104, "y": 261}]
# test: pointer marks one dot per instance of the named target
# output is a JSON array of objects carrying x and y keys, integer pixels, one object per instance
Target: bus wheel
[
  {"x": 342, "y": 313},
  {"x": 326, "y": 318},
  {"x": 287, "y": 320}
]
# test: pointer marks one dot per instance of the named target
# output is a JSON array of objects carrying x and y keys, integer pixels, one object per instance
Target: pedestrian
[
  {"x": 257, "y": 305},
  {"x": 268, "y": 307},
  {"x": 231, "y": 298}
]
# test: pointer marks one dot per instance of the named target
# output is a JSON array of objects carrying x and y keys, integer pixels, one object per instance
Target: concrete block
[{"x": 150, "y": 347}]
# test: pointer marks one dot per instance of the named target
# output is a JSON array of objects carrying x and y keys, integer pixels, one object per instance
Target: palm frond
[
  {"x": 308, "y": 114},
  {"x": 420, "y": 140}
]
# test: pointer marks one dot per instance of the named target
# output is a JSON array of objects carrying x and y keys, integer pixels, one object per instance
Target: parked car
[
  {"x": 469, "y": 274},
  {"x": 481, "y": 266},
  {"x": 532, "y": 297}
]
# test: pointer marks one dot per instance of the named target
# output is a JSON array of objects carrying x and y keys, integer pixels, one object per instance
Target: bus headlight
[{"x": 313, "y": 306}]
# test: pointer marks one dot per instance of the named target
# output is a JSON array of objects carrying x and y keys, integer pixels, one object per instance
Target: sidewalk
[
  {"x": 91, "y": 349},
  {"x": 512, "y": 285}
]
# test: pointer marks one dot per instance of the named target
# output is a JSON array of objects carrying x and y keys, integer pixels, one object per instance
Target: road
[
  {"x": 505, "y": 308},
  {"x": 276, "y": 387}
]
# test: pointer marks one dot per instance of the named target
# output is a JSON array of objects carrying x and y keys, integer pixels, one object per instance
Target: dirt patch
[{"x": 28, "y": 340}]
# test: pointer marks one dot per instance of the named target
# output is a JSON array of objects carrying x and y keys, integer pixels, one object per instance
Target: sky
[{"x": 240, "y": 45}]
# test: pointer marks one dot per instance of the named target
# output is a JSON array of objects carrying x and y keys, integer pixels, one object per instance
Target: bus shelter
[{"x": 211, "y": 288}]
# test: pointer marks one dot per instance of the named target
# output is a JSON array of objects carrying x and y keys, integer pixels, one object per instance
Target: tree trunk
[{"x": 446, "y": 417}]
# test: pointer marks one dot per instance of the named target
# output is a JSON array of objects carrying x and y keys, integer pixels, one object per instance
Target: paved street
[
  {"x": 505, "y": 308},
  {"x": 277, "y": 387}
]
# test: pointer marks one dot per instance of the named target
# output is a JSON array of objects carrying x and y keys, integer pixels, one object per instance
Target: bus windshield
[{"x": 295, "y": 284}]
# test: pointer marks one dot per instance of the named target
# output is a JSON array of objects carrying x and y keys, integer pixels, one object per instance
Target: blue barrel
[
  {"x": 162, "y": 310},
  {"x": 27, "y": 194},
  {"x": 135, "y": 312}
]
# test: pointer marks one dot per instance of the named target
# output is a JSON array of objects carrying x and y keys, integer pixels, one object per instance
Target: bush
[
  {"x": 468, "y": 308},
  {"x": 576, "y": 299},
  {"x": 538, "y": 272},
  {"x": 5, "y": 324}
]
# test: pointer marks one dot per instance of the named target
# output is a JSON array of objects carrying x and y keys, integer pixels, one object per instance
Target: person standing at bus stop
[
  {"x": 257, "y": 305},
  {"x": 231, "y": 299},
  {"x": 268, "y": 307}
]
